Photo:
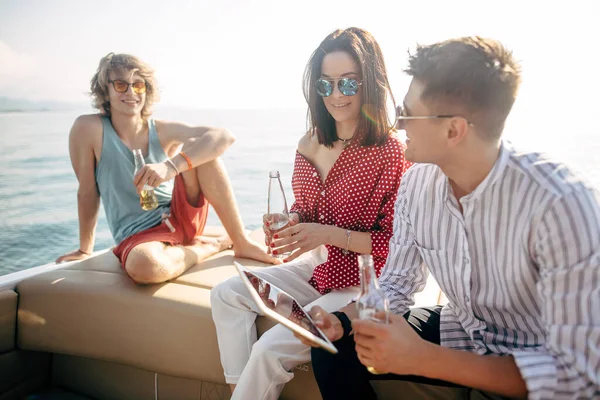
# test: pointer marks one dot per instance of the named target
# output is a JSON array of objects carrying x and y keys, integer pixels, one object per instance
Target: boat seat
[
  {"x": 165, "y": 328},
  {"x": 93, "y": 310}
]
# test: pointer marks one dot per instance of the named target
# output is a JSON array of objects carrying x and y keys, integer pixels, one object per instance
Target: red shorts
[{"x": 188, "y": 222}]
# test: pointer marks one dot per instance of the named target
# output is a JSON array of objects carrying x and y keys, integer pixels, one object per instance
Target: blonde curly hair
[{"x": 112, "y": 61}]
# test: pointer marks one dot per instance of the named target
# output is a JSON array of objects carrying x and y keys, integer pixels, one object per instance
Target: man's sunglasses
[
  {"x": 347, "y": 86},
  {"x": 120, "y": 86},
  {"x": 401, "y": 117}
]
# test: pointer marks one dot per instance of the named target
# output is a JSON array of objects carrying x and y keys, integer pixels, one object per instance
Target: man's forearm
[
  {"x": 87, "y": 206},
  {"x": 350, "y": 311},
  {"x": 497, "y": 374},
  {"x": 204, "y": 149}
]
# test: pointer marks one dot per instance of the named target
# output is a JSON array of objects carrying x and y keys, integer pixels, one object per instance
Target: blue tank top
[{"x": 114, "y": 178}]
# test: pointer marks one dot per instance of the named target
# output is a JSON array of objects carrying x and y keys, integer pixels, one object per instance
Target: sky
[{"x": 252, "y": 54}]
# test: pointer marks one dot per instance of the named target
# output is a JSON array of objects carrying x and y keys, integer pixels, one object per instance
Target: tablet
[{"x": 283, "y": 308}]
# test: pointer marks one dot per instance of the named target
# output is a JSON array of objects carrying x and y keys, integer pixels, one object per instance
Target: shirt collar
[{"x": 491, "y": 178}]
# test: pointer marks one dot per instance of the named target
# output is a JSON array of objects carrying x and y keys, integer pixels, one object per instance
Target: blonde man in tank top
[{"x": 157, "y": 245}]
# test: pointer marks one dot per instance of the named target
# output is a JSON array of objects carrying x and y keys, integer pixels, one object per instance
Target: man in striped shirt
[{"x": 512, "y": 238}]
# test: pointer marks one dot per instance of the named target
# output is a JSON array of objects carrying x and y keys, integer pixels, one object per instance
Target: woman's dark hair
[{"x": 374, "y": 125}]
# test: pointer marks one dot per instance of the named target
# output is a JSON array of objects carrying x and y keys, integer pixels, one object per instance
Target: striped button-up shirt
[{"x": 520, "y": 266}]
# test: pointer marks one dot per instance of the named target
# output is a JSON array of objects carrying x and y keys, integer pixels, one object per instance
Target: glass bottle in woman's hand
[{"x": 277, "y": 217}]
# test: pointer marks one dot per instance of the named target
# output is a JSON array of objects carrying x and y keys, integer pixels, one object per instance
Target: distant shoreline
[
  {"x": 20, "y": 111},
  {"x": 22, "y": 105},
  {"x": 23, "y": 110}
]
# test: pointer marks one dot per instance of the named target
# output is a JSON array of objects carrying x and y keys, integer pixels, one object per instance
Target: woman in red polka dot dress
[{"x": 346, "y": 176}]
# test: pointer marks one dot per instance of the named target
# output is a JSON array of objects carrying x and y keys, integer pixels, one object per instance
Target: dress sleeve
[
  {"x": 389, "y": 184},
  {"x": 299, "y": 205}
]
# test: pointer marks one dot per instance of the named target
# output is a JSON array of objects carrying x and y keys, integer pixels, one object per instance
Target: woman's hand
[
  {"x": 294, "y": 220},
  {"x": 153, "y": 175},
  {"x": 300, "y": 239}
]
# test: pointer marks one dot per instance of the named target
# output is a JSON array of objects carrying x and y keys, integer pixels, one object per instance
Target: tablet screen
[{"x": 282, "y": 303}]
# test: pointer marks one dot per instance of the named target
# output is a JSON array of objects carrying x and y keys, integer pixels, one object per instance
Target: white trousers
[{"x": 260, "y": 369}]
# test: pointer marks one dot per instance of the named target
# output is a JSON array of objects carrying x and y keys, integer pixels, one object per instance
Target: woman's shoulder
[
  {"x": 308, "y": 144},
  {"x": 392, "y": 148},
  {"x": 394, "y": 141},
  {"x": 391, "y": 154}
]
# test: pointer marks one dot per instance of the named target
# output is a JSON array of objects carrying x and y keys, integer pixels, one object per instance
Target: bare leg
[
  {"x": 156, "y": 262},
  {"x": 214, "y": 182}
]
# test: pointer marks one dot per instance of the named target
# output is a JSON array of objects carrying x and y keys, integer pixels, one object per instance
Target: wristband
[
  {"x": 346, "y": 324},
  {"x": 187, "y": 159}
]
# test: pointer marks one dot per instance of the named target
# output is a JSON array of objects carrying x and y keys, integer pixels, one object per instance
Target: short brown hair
[
  {"x": 99, "y": 83},
  {"x": 478, "y": 75},
  {"x": 374, "y": 126}
]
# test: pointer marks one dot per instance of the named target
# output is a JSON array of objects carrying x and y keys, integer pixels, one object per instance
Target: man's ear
[{"x": 457, "y": 131}]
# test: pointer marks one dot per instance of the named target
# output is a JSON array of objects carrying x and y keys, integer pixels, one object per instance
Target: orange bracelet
[{"x": 187, "y": 159}]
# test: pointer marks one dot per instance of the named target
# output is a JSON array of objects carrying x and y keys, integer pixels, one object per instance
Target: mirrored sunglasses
[{"x": 347, "y": 86}]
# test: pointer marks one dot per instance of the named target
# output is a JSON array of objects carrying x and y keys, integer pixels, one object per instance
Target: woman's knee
[
  {"x": 267, "y": 350},
  {"x": 227, "y": 292}
]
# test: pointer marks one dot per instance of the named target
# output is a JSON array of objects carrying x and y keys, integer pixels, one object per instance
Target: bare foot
[
  {"x": 252, "y": 250},
  {"x": 221, "y": 243}
]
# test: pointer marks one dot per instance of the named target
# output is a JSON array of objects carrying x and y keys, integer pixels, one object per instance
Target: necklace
[{"x": 346, "y": 142}]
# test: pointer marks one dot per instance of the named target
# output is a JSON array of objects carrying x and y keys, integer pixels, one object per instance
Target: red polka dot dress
[{"x": 359, "y": 194}]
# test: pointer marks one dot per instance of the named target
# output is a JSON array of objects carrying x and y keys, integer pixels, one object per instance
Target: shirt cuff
[
  {"x": 380, "y": 243},
  {"x": 538, "y": 370}
]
